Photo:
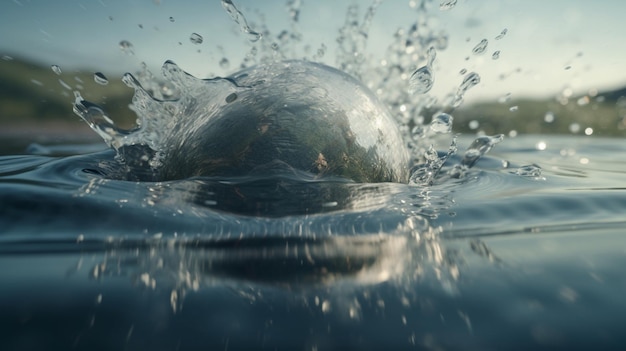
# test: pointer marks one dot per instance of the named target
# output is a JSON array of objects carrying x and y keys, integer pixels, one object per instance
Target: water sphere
[{"x": 288, "y": 115}]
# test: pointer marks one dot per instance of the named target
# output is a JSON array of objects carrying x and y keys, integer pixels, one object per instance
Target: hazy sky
[{"x": 550, "y": 45}]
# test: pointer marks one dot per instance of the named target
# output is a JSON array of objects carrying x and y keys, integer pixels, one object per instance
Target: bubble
[
  {"x": 196, "y": 38},
  {"x": 127, "y": 47},
  {"x": 495, "y": 55},
  {"x": 480, "y": 47},
  {"x": 56, "y": 69},
  {"x": 100, "y": 78},
  {"x": 239, "y": 18},
  {"x": 446, "y": 5},
  {"x": 502, "y": 34}
]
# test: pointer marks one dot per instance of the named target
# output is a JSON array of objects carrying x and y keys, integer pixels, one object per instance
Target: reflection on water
[{"x": 146, "y": 246}]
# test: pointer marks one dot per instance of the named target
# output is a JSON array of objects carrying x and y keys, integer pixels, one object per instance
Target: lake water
[
  {"x": 504, "y": 257},
  {"x": 153, "y": 240}
]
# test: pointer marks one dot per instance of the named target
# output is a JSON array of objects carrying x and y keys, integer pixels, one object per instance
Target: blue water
[{"x": 522, "y": 251}]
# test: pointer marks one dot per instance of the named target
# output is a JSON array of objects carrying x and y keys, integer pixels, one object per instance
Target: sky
[{"x": 551, "y": 47}]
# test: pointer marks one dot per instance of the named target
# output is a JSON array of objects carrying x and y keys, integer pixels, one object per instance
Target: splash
[{"x": 173, "y": 116}]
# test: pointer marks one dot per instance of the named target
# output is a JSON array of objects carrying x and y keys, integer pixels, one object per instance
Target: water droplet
[
  {"x": 568, "y": 67},
  {"x": 502, "y": 34},
  {"x": 140, "y": 26},
  {"x": 588, "y": 131},
  {"x": 473, "y": 124},
  {"x": 472, "y": 79},
  {"x": 541, "y": 145},
  {"x": 441, "y": 123},
  {"x": 321, "y": 51},
  {"x": 446, "y": 5},
  {"x": 479, "y": 147},
  {"x": 224, "y": 63},
  {"x": 513, "y": 108},
  {"x": 100, "y": 78},
  {"x": 230, "y": 98},
  {"x": 421, "y": 81},
  {"x": 531, "y": 171},
  {"x": 196, "y": 38},
  {"x": 127, "y": 47},
  {"x": 172, "y": 19},
  {"x": 574, "y": 128},
  {"x": 463, "y": 71},
  {"x": 56, "y": 69},
  {"x": 505, "y": 98},
  {"x": 548, "y": 117},
  {"x": 496, "y": 55},
  {"x": 480, "y": 47},
  {"x": 275, "y": 46},
  {"x": 239, "y": 18}
]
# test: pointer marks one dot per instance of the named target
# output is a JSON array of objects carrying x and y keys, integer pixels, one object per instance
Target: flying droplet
[
  {"x": 514, "y": 108},
  {"x": 100, "y": 78},
  {"x": 127, "y": 47},
  {"x": 496, "y": 55},
  {"x": 421, "y": 81},
  {"x": 548, "y": 117},
  {"x": 441, "y": 123},
  {"x": 239, "y": 18},
  {"x": 470, "y": 80},
  {"x": 224, "y": 63},
  {"x": 480, "y": 47},
  {"x": 56, "y": 69},
  {"x": 446, "y": 5},
  {"x": 172, "y": 19},
  {"x": 196, "y": 38},
  {"x": 479, "y": 147},
  {"x": 502, "y": 34}
]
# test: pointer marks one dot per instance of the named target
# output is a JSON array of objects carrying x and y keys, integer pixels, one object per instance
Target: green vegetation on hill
[
  {"x": 604, "y": 114},
  {"x": 31, "y": 94}
]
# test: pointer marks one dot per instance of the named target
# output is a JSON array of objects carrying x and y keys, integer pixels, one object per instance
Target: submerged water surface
[{"x": 523, "y": 251}]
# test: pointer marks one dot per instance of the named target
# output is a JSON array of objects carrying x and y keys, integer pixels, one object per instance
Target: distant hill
[{"x": 31, "y": 94}]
